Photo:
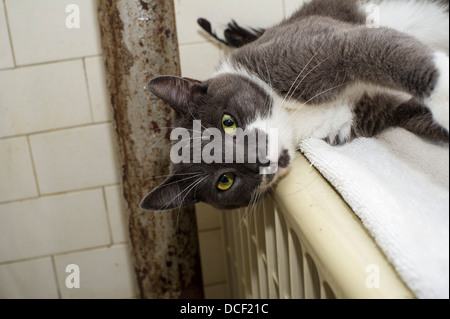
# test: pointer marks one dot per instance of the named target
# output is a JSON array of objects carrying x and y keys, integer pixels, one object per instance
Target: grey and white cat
[{"x": 322, "y": 73}]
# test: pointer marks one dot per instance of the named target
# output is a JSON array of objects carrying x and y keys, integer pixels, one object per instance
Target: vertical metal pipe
[{"x": 139, "y": 42}]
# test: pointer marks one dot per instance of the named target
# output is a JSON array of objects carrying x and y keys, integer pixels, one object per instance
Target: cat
[{"x": 322, "y": 73}]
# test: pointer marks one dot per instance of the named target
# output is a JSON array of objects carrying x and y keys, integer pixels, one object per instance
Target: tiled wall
[{"x": 60, "y": 199}]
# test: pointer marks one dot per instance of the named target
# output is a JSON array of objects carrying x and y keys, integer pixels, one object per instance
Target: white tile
[
  {"x": 52, "y": 224},
  {"x": 74, "y": 158},
  {"x": 43, "y": 97},
  {"x": 207, "y": 217},
  {"x": 248, "y": 13},
  {"x": 117, "y": 215},
  {"x": 217, "y": 291},
  {"x": 200, "y": 61},
  {"x": 100, "y": 100},
  {"x": 16, "y": 170},
  {"x": 6, "y": 58},
  {"x": 40, "y": 34},
  {"x": 28, "y": 279},
  {"x": 212, "y": 257},
  {"x": 104, "y": 273}
]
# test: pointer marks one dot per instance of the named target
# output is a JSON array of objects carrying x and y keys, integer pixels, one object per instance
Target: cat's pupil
[
  {"x": 228, "y": 123},
  {"x": 224, "y": 179}
]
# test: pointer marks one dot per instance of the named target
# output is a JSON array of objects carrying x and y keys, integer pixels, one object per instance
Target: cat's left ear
[
  {"x": 169, "y": 195},
  {"x": 180, "y": 93}
]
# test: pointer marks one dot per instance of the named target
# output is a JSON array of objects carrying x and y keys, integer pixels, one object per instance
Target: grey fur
[{"x": 336, "y": 54}]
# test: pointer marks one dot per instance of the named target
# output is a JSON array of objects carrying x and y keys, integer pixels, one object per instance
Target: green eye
[
  {"x": 228, "y": 124},
  {"x": 225, "y": 181}
]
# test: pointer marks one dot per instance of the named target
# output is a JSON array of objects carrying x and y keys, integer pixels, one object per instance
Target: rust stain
[
  {"x": 165, "y": 246},
  {"x": 144, "y": 5}
]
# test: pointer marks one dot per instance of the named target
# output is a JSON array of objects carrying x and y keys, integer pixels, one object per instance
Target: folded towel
[{"x": 398, "y": 185}]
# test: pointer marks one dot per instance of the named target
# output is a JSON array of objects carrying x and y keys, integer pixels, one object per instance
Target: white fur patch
[
  {"x": 438, "y": 102},
  {"x": 425, "y": 20}
]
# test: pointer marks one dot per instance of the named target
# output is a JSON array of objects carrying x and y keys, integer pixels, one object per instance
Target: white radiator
[{"x": 304, "y": 242}]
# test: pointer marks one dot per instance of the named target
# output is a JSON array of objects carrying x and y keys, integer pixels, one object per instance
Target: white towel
[{"x": 398, "y": 185}]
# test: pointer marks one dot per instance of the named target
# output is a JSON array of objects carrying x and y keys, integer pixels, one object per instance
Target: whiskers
[
  {"x": 189, "y": 176},
  {"x": 199, "y": 178},
  {"x": 294, "y": 87},
  {"x": 181, "y": 174}
]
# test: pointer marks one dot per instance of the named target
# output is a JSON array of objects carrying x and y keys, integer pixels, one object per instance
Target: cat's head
[{"x": 224, "y": 152}]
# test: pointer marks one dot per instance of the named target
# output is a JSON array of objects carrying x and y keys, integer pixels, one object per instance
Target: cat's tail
[{"x": 235, "y": 35}]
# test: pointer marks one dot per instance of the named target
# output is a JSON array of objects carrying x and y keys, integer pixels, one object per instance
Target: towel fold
[{"x": 398, "y": 185}]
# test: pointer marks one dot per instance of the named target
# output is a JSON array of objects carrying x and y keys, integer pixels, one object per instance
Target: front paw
[{"x": 438, "y": 101}]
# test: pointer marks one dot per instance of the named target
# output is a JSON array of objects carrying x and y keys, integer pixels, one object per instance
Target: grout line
[
  {"x": 213, "y": 283},
  {"x": 86, "y": 80},
  {"x": 62, "y": 253},
  {"x": 92, "y": 249},
  {"x": 58, "y": 193},
  {"x": 33, "y": 166},
  {"x": 56, "y": 276},
  {"x": 9, "y": 34},
  {"x": 108, "y": 219},
  {"x": 58, "y": 129},
  {"x": 214, "y": 228},
  {"x": 21, "y": 66},
  {"x": 8, "y": 68},
  {"x": 19, "y": 200},
  {"x": 223, "y": 282}
]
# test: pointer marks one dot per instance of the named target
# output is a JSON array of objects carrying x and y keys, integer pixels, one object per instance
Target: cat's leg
[
  {"x": 375, "y": 113},
  {"x": 391, "y": 59}
]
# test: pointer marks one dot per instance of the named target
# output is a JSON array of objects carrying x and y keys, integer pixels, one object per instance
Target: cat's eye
[
  {"x": 225, "y": 181},
  {"x": 228, "y": 124}
]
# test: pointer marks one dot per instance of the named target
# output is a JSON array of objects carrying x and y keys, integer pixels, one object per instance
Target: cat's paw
[{"x": 438, "y": 101}]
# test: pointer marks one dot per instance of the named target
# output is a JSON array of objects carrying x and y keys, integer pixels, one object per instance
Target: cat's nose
[{"x": 284, "y": 159}]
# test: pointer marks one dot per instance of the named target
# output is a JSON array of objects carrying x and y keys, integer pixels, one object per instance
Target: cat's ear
[
  {"x": 180, "y": 93},
  {"x": 169, "y": 195}
]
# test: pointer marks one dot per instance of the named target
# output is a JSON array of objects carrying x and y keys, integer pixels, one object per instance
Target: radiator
[{"x": 305, "y": 242}]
